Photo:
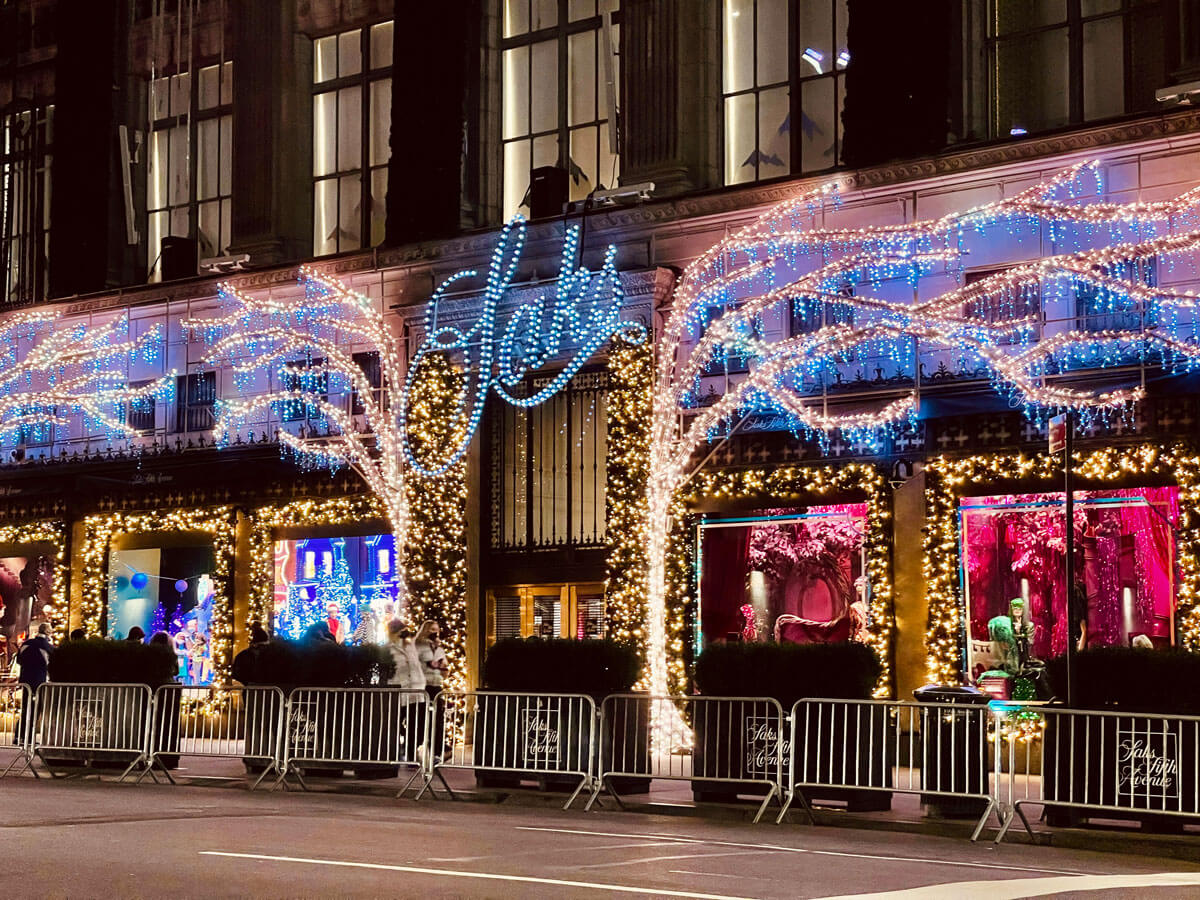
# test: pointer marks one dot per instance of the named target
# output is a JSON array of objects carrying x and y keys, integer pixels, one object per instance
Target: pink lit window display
[
  {"x": 791, "y": 575},
  {"x": 1014, "y": 546}
]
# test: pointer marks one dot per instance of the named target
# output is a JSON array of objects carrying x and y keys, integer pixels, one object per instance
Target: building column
[
  {"x": 272, "y": 134},
  {"x": 437, "y": 133},
  {"x": 671, "y": 94},
  {"x": 908, "y": 585}
]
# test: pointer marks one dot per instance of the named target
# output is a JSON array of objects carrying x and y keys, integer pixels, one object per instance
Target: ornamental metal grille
[{"x": 548, "y": 468}]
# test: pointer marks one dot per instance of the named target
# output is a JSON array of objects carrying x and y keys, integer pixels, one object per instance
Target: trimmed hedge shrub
[
  {"x": 100, "y": 661},
  {"x": 561, "y": 665},
  {"x": 291, "y": 664},
  {"x": 1131, "y": 680},
  {"x": 788, "y": 672}
]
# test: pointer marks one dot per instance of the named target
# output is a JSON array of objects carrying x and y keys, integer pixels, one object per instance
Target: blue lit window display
[
  {"x": 348, "y": 583},
  {"x": 167, "y": 589}
]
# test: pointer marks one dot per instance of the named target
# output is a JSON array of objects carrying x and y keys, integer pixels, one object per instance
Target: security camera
[
  {"x": 1179, "y": 93},
  {"x": 641, "y": 191},
  {"x": 217, "y": 265}
]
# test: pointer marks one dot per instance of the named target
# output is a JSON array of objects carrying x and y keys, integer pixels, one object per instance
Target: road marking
[
  {"x": 486, "y": 876},
  {"x": 649, "y": 859},
  {"x": 539, "y": 852},
  {"x": 1031, "y": 887},
  {"x": 784, "y": 849}
]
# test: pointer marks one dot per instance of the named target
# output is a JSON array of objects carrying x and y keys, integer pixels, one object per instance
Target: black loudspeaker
[
  {"x": 177, "y": 259},
  {"x": 548, "y": 192}
]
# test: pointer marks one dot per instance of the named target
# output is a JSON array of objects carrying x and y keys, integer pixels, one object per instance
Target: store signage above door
[{"x": 574, "y": 318}]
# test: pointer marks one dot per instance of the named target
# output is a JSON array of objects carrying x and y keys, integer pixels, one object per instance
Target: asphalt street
[{"x": 84, "y": 838}]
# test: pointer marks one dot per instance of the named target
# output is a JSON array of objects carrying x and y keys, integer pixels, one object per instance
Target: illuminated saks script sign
[{"x": 581, "y": 315}]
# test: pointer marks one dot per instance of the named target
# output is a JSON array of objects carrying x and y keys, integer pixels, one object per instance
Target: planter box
[{"x": 1132, "y": 763}]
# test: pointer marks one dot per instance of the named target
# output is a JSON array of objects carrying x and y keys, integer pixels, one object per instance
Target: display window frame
[
  {"x": 796, "y": 514},
  {"x": 1085, "y": 502},
  {"x": 1126, "y": 466}
]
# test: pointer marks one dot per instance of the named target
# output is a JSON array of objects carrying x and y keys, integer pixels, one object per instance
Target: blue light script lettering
[{"x": 585, "y": 314}]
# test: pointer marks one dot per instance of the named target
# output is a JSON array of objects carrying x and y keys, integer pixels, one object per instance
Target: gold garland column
[
  {"x": 436, "y": 551},
  {"x": 631, "y": 369}
]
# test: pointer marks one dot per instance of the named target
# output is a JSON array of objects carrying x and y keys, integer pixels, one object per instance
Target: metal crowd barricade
[
  {"x": 17, "y": 712},
  {"x": 92, "y": 723},
  {"x": 516, "y": 736},
  {"x": 217, "y": 722},
  {"x": 354, "y": 727},
  {"x": 937, "y": 750},
  {"x": 1119, "y": 765},
  {"x": 733, "y": 742}
]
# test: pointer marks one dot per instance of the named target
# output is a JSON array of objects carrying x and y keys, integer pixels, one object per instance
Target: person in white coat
[{"x": 409, "y": 675}]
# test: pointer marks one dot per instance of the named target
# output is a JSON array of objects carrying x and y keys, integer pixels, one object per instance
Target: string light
[
  {"x": 303, "y": 344},
  {"x": 949, "y": 480},
  {"x": 784, "y": 261},
  {"x": 585, "y": 314},
  {"x": 52, "y": 374}
]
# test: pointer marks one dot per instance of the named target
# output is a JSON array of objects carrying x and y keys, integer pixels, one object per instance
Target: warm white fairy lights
[
  {"x": 303, "y": 345},
  {"x": 784, "y": 263},
  {"x": 54, "y": 373}
]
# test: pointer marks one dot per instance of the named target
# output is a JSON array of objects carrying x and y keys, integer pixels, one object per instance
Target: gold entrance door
[{"x": 545, "y": 610}]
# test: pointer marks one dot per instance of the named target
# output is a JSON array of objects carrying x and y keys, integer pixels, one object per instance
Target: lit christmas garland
[
  {"x": 52, "y": 375},
  {"x": 437, "y": 537},
  {"x": 304, "y": 346},
  {"x": 784, "y": 261},
  {"x": 952, "y": 479},
  {"x": 631, "y": 378},
  {"x": 50, "y": 533},
  {"x": 780, "y": 487},
  {"x": 220, "y": 522}
]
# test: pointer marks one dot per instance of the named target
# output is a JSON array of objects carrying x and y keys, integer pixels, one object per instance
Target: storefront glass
[
  {"x": 348, "y": 583},
  {"x": 790, "y": 575},
  {"x": 26, "y": 590},
  {"x": 1014, "y": 546},
  {"x": 166, "y": 589}
]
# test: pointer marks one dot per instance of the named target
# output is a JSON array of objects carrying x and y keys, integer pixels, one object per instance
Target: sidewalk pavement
[{"x": 675, "y": 798}]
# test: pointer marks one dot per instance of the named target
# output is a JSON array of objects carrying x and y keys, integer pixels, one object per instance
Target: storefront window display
[
  {"x": 1013, "y": 549},
  {"x": 788, "y": 575},
  {"x": 348, "y": 583},
  {"x": 169, "y": 590},
  {"x": 26, "y": 597}
]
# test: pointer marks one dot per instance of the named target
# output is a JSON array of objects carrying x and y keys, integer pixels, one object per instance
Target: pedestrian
[
  {"x": 434, "y": 665},
  {"x": 160, "y": 639},
  {"x": 78, "y": 634},
  {"x": 410, "y": 676},
  {"x": 34, "y": 660},
  {"x": 246, "y": 662},
  {"x": 136, "y": 635}
]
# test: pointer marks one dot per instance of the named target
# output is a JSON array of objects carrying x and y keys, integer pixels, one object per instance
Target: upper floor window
[
  {"x": 1051, "y": 63},
  {"x": 196, "y": 399},
  {"x": 1098, "y": 309},
  {"x": 352, "y": 118},
  {"x": 25, "y": 150},
  {"x": 559, "y": 90},
  {"x": 189, "y": 177},
  {"x": 783, "y": 84},
  {"x": 997, "y": 308}
]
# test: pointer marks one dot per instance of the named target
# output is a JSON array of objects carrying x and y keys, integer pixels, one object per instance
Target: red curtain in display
[
  {"x": 788, "y": 579},
  {"x": 1015, "y": 546}
]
